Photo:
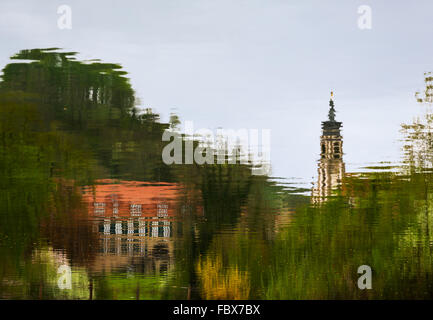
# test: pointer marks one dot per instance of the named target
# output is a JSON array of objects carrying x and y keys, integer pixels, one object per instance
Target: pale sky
[{"x": 256, "y": 64}]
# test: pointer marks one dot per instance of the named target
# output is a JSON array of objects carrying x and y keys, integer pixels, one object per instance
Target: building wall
[{"x": 331, "y": 168}]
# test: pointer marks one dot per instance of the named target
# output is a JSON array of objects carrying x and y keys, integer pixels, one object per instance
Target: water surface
[{"x": 84, "y": 188}]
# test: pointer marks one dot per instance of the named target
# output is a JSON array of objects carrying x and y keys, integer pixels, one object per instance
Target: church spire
[
  {"x": 331, "y": 113},
  {"x": 331, "y": 127},
  {"x": 331, "y": 166}
]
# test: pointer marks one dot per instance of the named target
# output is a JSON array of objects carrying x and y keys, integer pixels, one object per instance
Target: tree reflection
[{"x": 66, "y": 124}]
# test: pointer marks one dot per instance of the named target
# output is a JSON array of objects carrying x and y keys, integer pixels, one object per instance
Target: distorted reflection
[
  {"x": 133, "y": 219},
  {"x": 84, "y": 188},
  {"x": 330, "y": 166}
]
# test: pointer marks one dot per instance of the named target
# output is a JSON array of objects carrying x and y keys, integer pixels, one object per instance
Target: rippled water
[{"x": 89, "y": 211}]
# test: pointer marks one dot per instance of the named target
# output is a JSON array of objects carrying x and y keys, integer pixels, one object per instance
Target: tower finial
[{"x": 331, "y": 114}]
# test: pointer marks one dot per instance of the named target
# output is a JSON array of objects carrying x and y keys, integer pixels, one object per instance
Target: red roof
[{"x": 131, "y": 198}]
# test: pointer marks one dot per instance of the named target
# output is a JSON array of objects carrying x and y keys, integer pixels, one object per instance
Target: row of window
[
  {"x": 157, "y": 228},
  {"x": 134, "y": 209}
]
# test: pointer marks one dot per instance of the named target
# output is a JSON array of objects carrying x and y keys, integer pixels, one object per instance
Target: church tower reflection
[{"x": 330, "y": 165}]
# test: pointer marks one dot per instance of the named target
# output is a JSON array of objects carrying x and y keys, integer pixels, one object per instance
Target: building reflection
[
  {"x": 330, "y": 166},
  {"x": 134, "y": 221}
]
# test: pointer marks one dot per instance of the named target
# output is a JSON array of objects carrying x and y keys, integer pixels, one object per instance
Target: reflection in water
[
  {"x": 83, "y": 185},
  {"x": 134, "y": 221},
  {"x": 331, "y": 165}
]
